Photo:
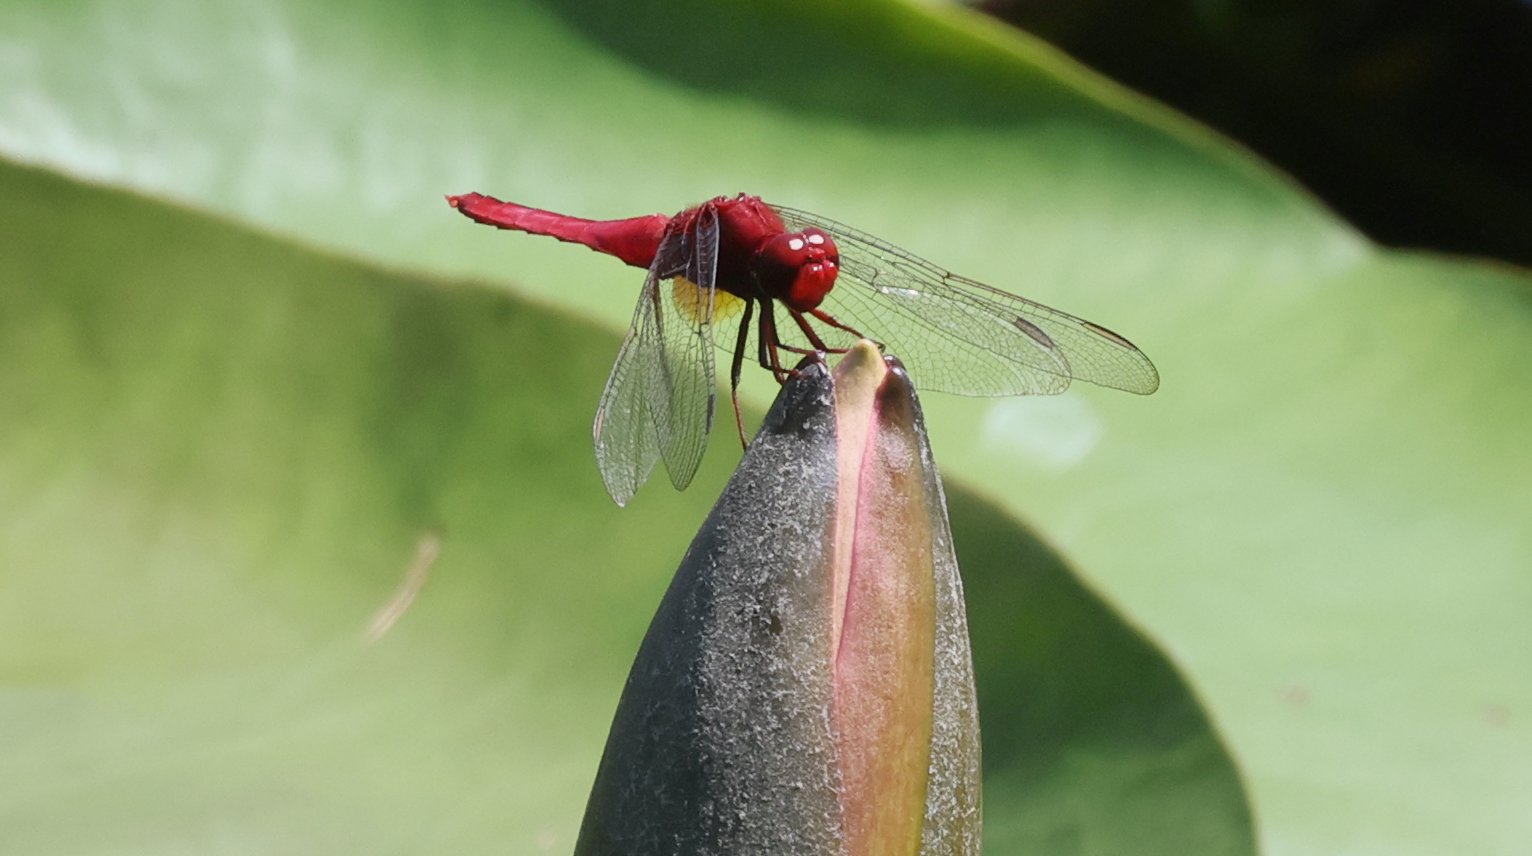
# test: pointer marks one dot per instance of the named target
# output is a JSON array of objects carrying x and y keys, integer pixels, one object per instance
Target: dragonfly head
[{"x": 797, "y": 268}]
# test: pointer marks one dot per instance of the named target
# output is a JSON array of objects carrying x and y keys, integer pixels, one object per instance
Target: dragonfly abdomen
[{"x": 635, "y": 240}]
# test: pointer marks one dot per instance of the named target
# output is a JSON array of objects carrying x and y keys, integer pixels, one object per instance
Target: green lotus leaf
[{"x": 224, "y": 456}]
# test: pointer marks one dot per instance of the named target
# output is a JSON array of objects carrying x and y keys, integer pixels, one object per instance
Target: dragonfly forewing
[
  {"x": 627, "y": 444},
  {"x": 962, "y": 336},
  {"x": 658, "y": 401},
  {"x": 683, "y": 407}
]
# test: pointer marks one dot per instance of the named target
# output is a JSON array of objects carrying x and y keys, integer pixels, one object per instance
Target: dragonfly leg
[
  {"x": 769, "y": 358},
  {"x": 833, "y": 322},
  {"x": 808, "y": 329},
  {"x": 736, "y": 366},
  {"x": 817, "y": 345},
  {"x": 761, "y": 339},
  {"x": 803, "y": 352}
]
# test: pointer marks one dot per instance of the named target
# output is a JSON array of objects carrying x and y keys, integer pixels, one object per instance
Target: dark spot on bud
[{"x": 896, "y": 397}]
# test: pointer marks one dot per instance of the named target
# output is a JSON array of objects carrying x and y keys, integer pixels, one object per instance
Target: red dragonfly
[{"x": 741, "y": 258}]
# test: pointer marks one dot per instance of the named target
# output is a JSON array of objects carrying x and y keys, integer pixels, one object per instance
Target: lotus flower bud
[{"x": 806, "y": 685}]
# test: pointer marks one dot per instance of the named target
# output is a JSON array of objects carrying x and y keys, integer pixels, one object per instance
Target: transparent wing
[
  {"x": 684, "y": 410},
  {"x": 658, "y": 400},
  {"x": 961, "y": 336},
  {"x": 627, "y": 443}
]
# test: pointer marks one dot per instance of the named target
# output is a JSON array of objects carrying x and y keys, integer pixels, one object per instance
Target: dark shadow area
[
  {"x": 890, "y": 68},
  {"x": 1411, "y": 119},
  {"x": 1073, "y": 699}
]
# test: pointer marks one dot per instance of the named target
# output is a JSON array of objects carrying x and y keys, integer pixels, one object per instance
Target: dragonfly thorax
[{"x": 797, "y": 268}]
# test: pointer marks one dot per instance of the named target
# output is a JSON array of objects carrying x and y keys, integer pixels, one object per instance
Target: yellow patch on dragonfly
[{"x": 690, "y": 301}]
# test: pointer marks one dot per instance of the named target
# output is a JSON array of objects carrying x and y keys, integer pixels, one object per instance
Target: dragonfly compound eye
[{"x": 798, "y": 268}]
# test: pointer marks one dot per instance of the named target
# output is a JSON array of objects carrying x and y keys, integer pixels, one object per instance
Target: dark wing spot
[
  {"x": 1034, "y": 331},
  {"x": 1108, "y": 334}
]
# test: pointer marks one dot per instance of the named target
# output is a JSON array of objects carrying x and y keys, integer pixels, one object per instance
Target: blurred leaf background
[{"x": 302, "y": 547}]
